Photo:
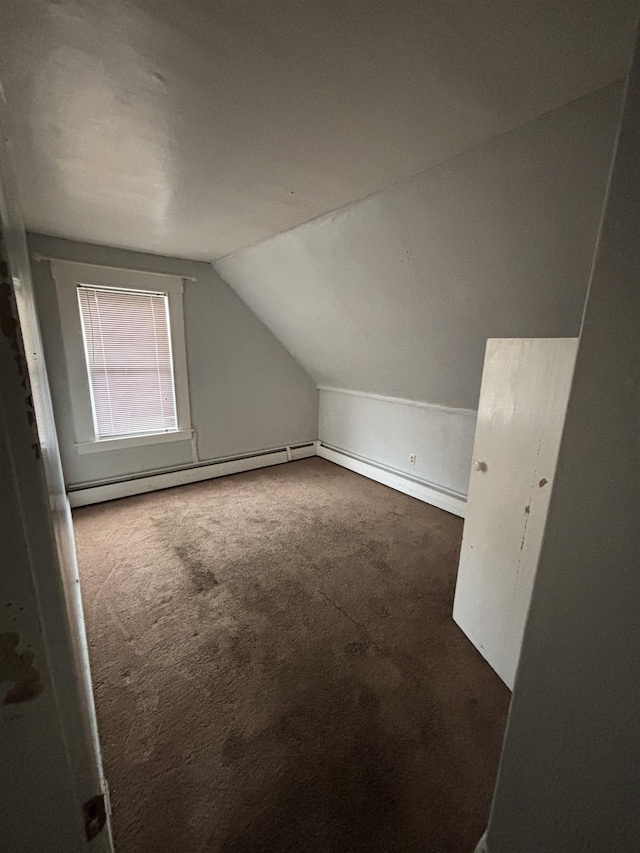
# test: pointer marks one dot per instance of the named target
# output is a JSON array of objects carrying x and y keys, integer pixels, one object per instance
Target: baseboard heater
[
  {"x": 92, "y": 493},
  {"x": 431, "y": 493},
  {"x": 423, "y": 490}
]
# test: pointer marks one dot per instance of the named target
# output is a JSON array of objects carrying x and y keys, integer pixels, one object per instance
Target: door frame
[{"x": 65, "y": 744}]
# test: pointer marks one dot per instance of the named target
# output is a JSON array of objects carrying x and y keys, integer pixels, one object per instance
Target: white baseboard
[
  {"x": 430, "y": 493},
  {"x": 167, "y": 480}
]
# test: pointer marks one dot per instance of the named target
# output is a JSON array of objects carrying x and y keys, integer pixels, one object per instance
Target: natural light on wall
[{"x": 128, "y": 353}]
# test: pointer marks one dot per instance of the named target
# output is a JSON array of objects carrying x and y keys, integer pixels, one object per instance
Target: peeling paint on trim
[{"x": 17, "y": 669}]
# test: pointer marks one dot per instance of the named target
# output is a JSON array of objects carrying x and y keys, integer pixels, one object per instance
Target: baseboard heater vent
[
  {"x": 423, "y": 490},
  {"x": 91, "y": 493},
  {"x": 301, "y": 451}
]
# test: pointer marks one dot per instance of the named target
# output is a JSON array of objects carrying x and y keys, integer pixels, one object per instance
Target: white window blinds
[{"x": 128, "y": 352}]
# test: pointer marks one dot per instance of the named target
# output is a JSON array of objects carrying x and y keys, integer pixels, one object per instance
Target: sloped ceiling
[
  {"x": 397, "y": 294},
  {"x": 197, "y": 128}
]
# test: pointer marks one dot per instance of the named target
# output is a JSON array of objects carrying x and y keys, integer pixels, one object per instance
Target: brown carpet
[{"x": 276, "y": 669}]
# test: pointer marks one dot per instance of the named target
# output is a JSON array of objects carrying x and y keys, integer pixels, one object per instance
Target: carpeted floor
[{"x": 276, "y": 669}]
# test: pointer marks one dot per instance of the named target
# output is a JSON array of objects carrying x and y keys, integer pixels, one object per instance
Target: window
[
  {"x": 128, "y": 353},
  {"x": 124, "y": 344}
]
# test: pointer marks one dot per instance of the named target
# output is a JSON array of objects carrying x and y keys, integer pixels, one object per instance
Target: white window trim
[{"x": 68, "y": 276}]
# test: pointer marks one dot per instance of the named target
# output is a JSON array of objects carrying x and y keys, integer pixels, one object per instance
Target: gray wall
[
  {"x": 398, "y": 293},
  {"x": 247, "y": 393},
  {"x": 570, "y": 774}
]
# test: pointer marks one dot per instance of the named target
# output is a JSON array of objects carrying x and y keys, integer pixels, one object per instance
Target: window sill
[{"x": 122, "y": 442}]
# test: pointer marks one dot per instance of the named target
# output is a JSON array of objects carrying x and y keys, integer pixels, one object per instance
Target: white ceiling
[{"x": 196, "y": 128}]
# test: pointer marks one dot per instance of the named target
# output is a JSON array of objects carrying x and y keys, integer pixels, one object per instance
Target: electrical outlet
[{"x": 412, "y": 459}]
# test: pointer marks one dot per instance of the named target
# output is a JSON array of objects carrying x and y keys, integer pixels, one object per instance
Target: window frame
[{"x": 68, "y": 277}]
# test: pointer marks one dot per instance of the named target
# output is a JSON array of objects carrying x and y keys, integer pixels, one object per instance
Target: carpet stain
[
  {"x": 355, "y": 649},
  {"x": 276, "y": 669},
  {"x": 195, "y": 565}
]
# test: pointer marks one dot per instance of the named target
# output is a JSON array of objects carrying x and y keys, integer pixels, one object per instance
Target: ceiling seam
[{"x": 413, "y": 176}]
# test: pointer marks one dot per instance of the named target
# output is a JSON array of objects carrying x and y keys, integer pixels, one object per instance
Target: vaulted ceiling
[
  {"x": 398, "y": 293},
  {"x": 197, "y": 128}
]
